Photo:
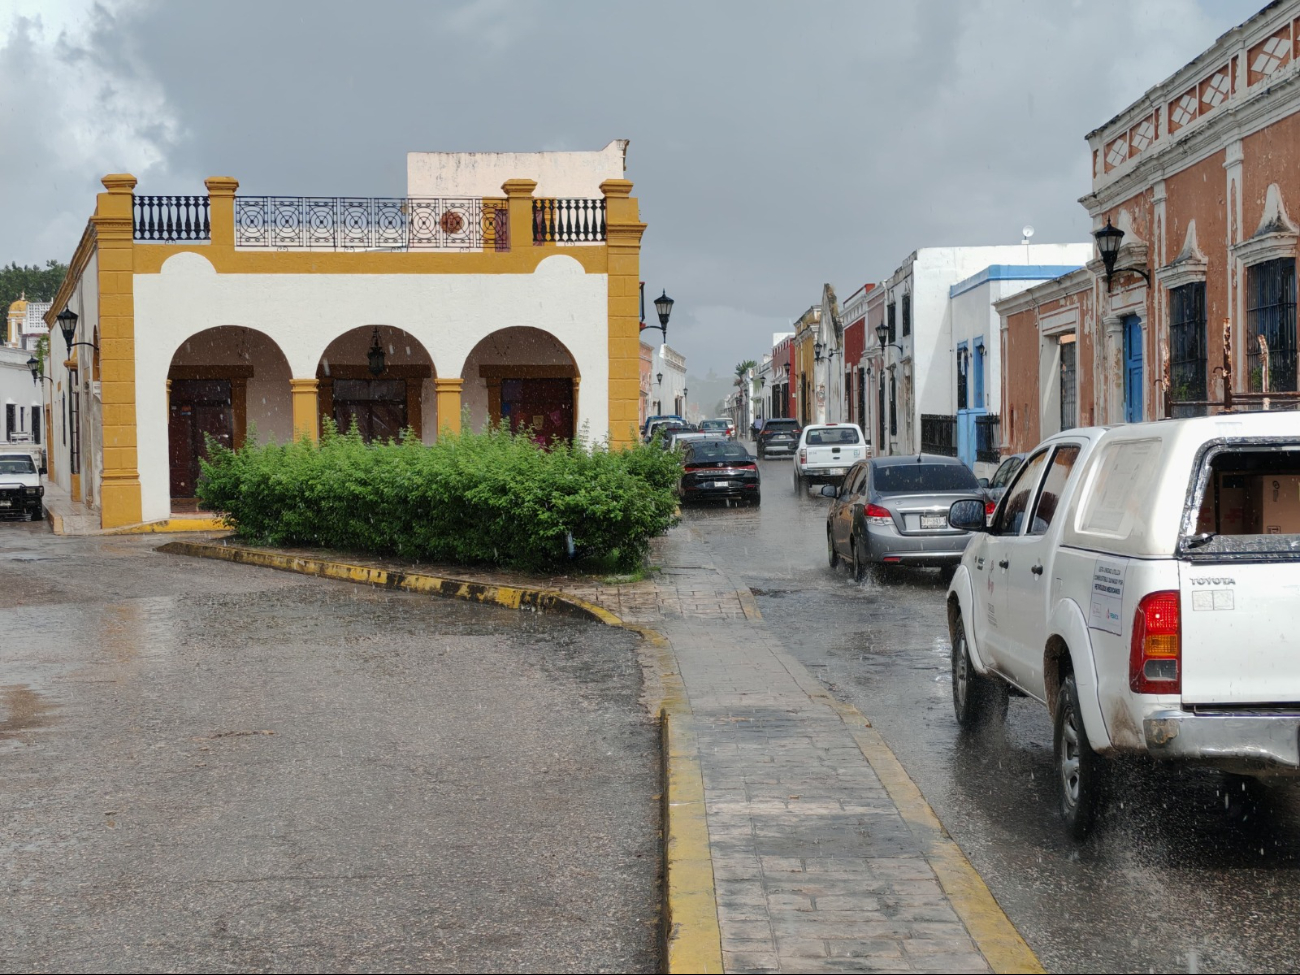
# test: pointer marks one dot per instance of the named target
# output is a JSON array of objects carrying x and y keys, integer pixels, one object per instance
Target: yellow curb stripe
[
  {"x": 692, "y": 939},
  {"x": 989, "y": 927}
]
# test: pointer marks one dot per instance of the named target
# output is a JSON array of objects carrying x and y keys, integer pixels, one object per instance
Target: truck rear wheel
[
  {"x": 976, "y": 700},
  {"x": 1078, "y": 767}
]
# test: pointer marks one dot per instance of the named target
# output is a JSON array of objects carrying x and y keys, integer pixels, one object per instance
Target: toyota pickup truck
[
  {"x": 1142, "y": 582},
  {"x": 21, "y": 490}
]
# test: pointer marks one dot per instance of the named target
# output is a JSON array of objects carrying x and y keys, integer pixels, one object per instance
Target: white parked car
[
  {"x": 1143, "y": 583},
  {"x": 825, "y": 453}
]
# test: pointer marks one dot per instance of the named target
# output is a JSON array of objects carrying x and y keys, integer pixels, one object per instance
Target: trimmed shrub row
[{"x": 492, "y": 498}]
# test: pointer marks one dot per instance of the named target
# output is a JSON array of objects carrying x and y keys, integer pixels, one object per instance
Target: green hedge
[{"x": 491, "y": 498}]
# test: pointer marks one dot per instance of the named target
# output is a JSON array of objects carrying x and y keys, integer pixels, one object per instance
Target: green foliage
[
  {"x": 38, "y": 283},
  {"x": 493, "y": 498}
]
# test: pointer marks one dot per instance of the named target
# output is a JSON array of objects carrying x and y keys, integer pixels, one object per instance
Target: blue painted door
[{"x": 1133, "y": 369}]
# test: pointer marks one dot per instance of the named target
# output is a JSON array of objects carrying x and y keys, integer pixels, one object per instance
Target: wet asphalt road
[
  {"x": 1171, "y": 882},
  {"x": 207, "y": 767}
]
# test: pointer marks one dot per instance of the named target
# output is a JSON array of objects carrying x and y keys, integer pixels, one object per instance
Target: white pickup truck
[
  {"x": 1142, "y": 582},
  {"x": 825, "y": 453},
  {"x": 21, "y": 491}
]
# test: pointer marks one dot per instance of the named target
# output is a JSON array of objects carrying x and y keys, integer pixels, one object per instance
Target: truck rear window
[
  {"x": 1250, "y": 503},
  {"x": 832, "y": 436}
]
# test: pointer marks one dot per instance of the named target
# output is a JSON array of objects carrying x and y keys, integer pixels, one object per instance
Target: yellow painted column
[
  {"x": 448, "y": 392},
  {"x": 519, "y": 203},
  {"x": 114, "y": 231},
  {"x": 623, "y": 229},
  {"x": 221, "y": 210},
  {"x": 306, "y": 415}
]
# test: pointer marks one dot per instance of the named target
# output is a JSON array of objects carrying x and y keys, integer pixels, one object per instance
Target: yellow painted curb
[
  {"x": 989, "y": 927},
  {"x": 691, "y": 937},
  {"x": 171, "y": 525}
]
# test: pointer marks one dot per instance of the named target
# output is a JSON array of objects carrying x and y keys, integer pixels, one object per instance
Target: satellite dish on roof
[{"x": 1027, "y": 231}]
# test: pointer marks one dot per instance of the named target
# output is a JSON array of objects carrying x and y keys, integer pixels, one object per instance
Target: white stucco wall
[
  {"x": 85, "y": 302},
  {"x": 558, "y": 174},
  {"x": 302, "y": 314},
  {"x": 17, "y": 388}
]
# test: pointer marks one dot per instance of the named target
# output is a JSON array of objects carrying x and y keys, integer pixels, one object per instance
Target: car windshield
[
  {"x": 711, "y": 450},
  {"x": 832, "y": 435},
  {"x": 924, "y": 479},
  {"x": 713, "y": 425}
]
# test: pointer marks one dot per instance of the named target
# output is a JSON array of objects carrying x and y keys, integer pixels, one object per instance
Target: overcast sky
[{"x": 774, "y": 146}]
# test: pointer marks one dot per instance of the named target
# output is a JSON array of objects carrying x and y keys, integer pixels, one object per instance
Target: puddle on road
[{"x": 21, "y": 710}]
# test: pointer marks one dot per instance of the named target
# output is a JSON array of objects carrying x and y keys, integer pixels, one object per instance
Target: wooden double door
[
  {"x": 543, "y": 405},
  {"x": 378, "y": 406},
  {"x": 199, "y": 407}
]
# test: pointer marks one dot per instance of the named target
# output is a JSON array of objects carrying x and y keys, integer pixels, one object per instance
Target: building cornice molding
[
  {"x": 1233, "y": 123},
  {"x": 1065, "y": 286}
]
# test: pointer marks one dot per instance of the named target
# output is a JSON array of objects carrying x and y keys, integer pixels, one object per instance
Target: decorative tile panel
[
  {"x": 1142, "y": 135},
  {"x": 1216, "y": 89},
  {"x": 1267, "y": 57},
  {"x": 1117, "y": 152},
  {"x": 1183, "y": 110}
]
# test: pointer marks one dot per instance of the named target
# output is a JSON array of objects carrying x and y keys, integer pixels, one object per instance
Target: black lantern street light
[
  {"x": 664, "y": 308},
  {"x": 67, "y": 320},
  {"x": 375, "y": 356},
  {"x": 1108, "y": 240},
  {"x": 882, "y": 335},
  {"x": 659, "y": 379},
  {"x": 818, "y": 347},
  {"x": 35, "y": 368}
]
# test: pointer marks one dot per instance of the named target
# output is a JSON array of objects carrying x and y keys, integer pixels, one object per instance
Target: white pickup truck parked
[
  {"x": 825, "y": 453},
  {"x": 1142, "y": 582},
  {"x": 21, "y": 490}
]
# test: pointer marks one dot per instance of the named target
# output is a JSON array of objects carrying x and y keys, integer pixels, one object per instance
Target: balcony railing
[
  {"x": 167, "y": 219},
  {"x": 939, "y": 434},
  {"x": 370, "y": 223},
  {"x": 988, "y": 437},
  {"x": 578, "y": 221}
]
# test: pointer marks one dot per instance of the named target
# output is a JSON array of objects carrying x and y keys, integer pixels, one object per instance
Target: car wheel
[
  {"x": 976, "y": 700},
  {"x": 758, "y": 499},
  {"x": 856, "y": 550},
  {"x": 799, "y": 486},
  {"x": 832, "y": 556},
  {"x": 1078, "y": 767}
]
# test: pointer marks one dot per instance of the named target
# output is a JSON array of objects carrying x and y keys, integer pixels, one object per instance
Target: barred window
[
  {"x": 1187, "y": 348},
  {"x": 1069, "y": 385},
  {"x": 889, "y": 312},
  {"x": 1270, "y": 313},
  {"x": 893, "y": 408},
  {"x": 907, "y": 314}
]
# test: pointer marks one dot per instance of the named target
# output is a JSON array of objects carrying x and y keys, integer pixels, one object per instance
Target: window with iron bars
[
  {"x": 907, "y": 315},
  {"x": 1187, "y": 348},
  {"x": 1270, "y": 312},
  {"x": 890, "y": 317},
  {"x": 893, "y": 408},
  {"x": 1069, "y": 386}
]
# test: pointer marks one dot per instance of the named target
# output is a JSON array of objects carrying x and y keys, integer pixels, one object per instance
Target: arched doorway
[
  {"x": 222, "y": 382},
  {"x": 378, "y": 377},
  {"x": 526, "y": 377}
]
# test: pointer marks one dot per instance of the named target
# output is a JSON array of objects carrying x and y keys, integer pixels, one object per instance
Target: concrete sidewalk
[{"x": 820, "y": 853}]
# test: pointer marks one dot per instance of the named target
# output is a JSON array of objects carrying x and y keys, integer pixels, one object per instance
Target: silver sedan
[{"x": 894, "y": 511}]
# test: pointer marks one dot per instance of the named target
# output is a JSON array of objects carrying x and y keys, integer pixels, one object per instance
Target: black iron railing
[
  {"x": 166, "y": 219},
  {"x": 988, "y": 437},
  {"x": 939, "y": 434},
  {"x": 370, "y": 223},
  {"x": 579, "y": 221}
]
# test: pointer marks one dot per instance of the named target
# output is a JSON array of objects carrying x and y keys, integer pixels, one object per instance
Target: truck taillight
[
  {"x": 803, "y": 456},
  {"x": 1156, "y": 651}
]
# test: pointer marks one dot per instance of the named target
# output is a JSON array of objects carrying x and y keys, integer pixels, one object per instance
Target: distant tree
[{"x": 38, "y": 283}]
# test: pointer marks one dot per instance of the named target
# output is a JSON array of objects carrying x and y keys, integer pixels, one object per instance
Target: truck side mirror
[
  {"x": 43, "y": 470},
  {"x": 967, "y": 516}
]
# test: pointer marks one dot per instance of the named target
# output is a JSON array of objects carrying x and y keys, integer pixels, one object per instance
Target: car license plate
[
  {"x": 933, "y": 521},
  {"x": 720, "y": 484},
  {"x": 838, "y": 471},
  {"x": 6, "y": 504}
]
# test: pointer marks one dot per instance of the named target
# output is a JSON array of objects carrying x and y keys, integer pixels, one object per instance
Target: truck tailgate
[{"x": 1240, "y": 632}]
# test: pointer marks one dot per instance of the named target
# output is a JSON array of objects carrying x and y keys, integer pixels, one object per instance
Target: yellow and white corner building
[{"x": 504, "y": 286}]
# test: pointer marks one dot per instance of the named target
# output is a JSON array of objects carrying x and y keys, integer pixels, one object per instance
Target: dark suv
[{"x": 779, "y": 436}]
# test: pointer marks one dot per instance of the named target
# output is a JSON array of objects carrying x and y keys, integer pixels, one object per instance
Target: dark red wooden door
[
  {"x": 543, "y": 405},
  {"x": 198, "y": 407}
]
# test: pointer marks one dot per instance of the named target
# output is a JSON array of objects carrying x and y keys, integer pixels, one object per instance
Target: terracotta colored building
[{"x": 1199, "y": 307}]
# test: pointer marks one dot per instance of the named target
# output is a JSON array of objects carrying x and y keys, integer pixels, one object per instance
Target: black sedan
[{"x": 718, "y": 470}]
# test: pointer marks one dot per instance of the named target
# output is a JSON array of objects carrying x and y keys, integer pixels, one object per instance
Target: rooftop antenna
[{"x": 1027, "y": 231}]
